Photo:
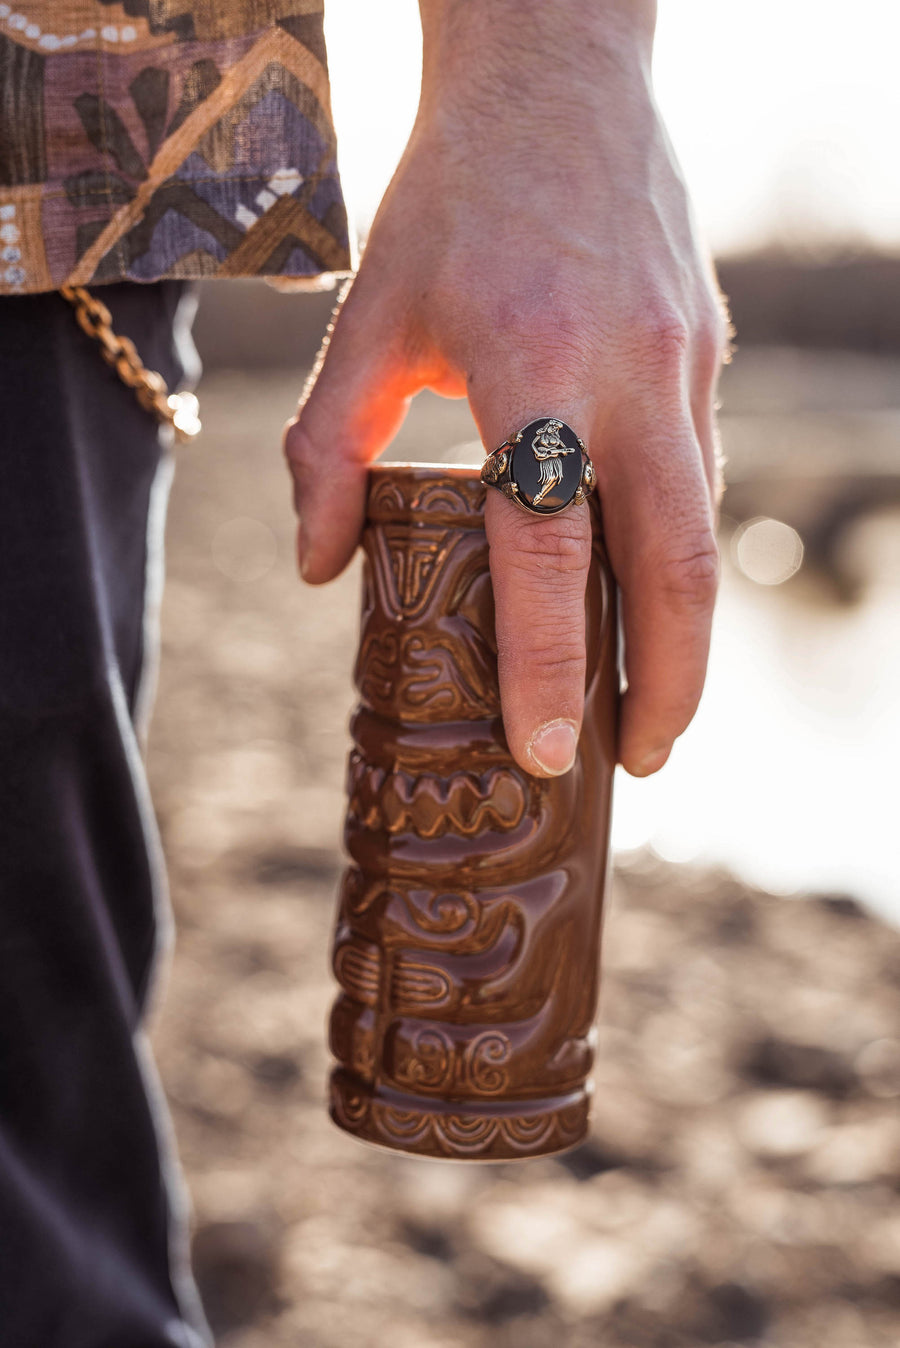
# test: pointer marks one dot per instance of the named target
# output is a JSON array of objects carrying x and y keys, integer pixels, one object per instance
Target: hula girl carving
[{"x": 547, "y": 449}]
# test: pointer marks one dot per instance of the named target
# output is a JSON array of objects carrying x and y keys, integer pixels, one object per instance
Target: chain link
[{"x": 178, "y": 410}]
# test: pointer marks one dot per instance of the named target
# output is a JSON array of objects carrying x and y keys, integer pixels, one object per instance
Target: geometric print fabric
[{"x": 159, "y": 138}]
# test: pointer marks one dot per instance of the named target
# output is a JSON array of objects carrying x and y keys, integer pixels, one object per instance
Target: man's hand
[{"x": 535, "y": 253}]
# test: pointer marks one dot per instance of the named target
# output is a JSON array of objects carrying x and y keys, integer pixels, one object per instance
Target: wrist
[{"x": 469, "y": 44}]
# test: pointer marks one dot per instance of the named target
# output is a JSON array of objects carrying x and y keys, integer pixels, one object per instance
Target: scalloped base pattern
[{"x": 426, "y": 1128}]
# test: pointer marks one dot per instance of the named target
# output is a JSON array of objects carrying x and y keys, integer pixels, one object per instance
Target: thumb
[{"x": 355, "y": 404}]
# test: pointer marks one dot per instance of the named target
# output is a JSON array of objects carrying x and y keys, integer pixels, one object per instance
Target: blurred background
[{"x": 741, "y": 1182}]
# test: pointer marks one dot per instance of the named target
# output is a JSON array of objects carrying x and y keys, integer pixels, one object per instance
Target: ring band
[{"x": 544, "y": 468}]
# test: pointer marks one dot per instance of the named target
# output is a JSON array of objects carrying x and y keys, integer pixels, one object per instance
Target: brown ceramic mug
[{"x": 468, "y": 933}]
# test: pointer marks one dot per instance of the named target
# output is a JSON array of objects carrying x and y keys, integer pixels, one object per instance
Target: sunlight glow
[{"x": 784, "y": 116}]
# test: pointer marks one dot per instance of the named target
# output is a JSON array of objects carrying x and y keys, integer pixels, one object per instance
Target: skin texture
[{"x": 535, "y": 253}]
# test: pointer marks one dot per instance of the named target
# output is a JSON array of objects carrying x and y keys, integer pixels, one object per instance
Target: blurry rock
[
  {"x": 619, "y": 1198},
  {"x": 430, "y": 1238},
  {"x": 226, "y": 1193},
  {"x": 324, "y": 1262},
  {"x": 295, "y": 865},
  {"x": 735, "y": 1312},
  {"x": 590, "y": 1245},
  {"x": 781, "y": 1062},
  {"x": 831, "y": 1322},
  {"x": 596, "y": 1272},
  {"x": 738, "y": 921},
  {"x": 639, "y": 939},
  {"x": 842, "y": 905},
  {"x": 778, "y": 1214},
  {"x": 493, "y": 1293},
  {"x": 726, "y": 1314},
  {"x": 626, "y": 1125},
  {"x": 236, "y": 1267},
  {"x": 681, "y": 1058},
  {"x": 529, "y": 1231},
  {"x": 277, "y": 1070},
  {"x": 882, "y": 1246},
  {"x": 435, "y": 1194},
  {"x": 857, "y": 1153},
  {"x": 628, "y": 1325},
  {"x": 709, "y": 1154},
  {"x": 778, "y": 1125},
  {"x": 594, "y": 1157},
  {"x": 525, "y": 1331},
  {"x": 215, "y": 1087}
]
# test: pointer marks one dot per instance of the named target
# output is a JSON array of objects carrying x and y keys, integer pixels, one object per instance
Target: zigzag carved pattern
[{"x": 430, "y": 806}]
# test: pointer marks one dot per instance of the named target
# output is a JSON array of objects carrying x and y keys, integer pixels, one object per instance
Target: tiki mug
[{"x": 468, "y": 933}]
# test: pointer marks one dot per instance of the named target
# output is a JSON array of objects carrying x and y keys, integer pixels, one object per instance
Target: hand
[{"x": 535, "y": 253}]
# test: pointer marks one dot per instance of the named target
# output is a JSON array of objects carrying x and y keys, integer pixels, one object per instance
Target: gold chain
[{"x": 178, "y": 410}]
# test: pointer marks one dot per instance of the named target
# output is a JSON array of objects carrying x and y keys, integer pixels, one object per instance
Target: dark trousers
[{"x": 93, "y": 1247}]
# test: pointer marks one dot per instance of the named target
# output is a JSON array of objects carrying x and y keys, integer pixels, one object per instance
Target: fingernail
[
  {"x": 553, "y": 746},
  {"x": 652, "y": 762}
]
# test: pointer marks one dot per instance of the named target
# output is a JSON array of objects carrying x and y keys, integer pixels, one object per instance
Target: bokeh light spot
[
  {"x": 767, "y": 551},
  {"x": 244, "y": 549},
  {"x": 878, "y": 1065}
]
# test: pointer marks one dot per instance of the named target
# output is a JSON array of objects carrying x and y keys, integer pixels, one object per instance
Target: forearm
[
  {"x": 535, "y": 252},
  {"x": 575, "y": 41}
]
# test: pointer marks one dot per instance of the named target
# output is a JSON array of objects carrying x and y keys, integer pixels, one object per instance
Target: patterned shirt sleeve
[{"x": 145, "y": 139}]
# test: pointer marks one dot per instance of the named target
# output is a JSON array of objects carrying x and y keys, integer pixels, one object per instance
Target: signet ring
[{"x": 544, "y": 468}]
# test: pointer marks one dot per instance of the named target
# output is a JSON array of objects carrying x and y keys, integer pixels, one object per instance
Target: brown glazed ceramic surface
[{"x": 468, "y": 931}]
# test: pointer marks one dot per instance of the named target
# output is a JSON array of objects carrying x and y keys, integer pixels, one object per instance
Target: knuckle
[
  {"x": 551, "y": 342},
  {"x": 711, "y": 335},
  {"x": 689, "y": 573},
  {"x": 552, "y": 657},
  {"x": 298, "y": 448},
  {"x": 663, "y": 339},
  {"x": 557, "y": 667},
  {"x": 550, "y": 548},
  {"x": 546, "y": 334},
  {"x": 565, "y": 362}
]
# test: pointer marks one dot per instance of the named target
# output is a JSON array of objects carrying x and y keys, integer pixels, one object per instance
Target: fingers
[
  {"x": 539, "y": 570},
  {"x": 659, "y": 531},
  {"x": 353, "y": 409},
  {"x": 658, "y": 525},
  {"x": 710, "y": 349},
  {"x": 656, "y": 480}
]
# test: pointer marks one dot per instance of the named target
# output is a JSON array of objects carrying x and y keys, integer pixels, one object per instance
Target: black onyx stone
[{"x": 546, "y": 485}]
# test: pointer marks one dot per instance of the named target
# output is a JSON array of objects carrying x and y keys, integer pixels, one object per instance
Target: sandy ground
[{"x": 741, "y": 1182}]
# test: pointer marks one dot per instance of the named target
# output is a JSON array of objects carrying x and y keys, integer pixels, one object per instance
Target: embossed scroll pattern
[{"x": 467, "y": 937}]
